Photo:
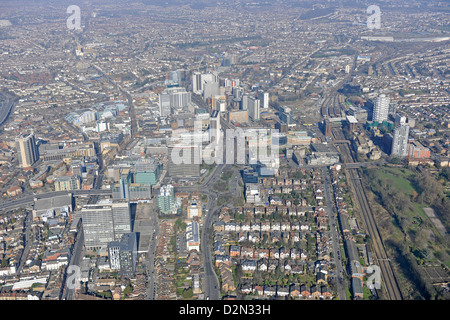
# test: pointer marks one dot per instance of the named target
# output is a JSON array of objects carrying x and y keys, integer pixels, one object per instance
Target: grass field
[{"x": 399, "y": 179}]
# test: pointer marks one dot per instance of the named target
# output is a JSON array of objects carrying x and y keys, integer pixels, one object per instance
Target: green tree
[
  {"x": 187, "y": 293},
  {"x": 128, "y": 290},
  {"x": 429, "y": 188},
  {"x": 4, "y": 263}
]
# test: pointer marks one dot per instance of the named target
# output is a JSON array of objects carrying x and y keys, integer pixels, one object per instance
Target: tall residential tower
[{"x": 27, "y": 150}]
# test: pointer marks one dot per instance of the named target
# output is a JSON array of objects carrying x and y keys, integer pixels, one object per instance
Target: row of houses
[
  {"x": 221, "y": 226},
  {"x": 294, "y": 291},
  {"x": 249, "y": 265},
  {"x": 236, "y": 251},
  {"x": 271, "y": 237},
  {"x": 282, "y": 182},
  {"x": 275, "y": 204},
  {"x": 20, "y": 295}
]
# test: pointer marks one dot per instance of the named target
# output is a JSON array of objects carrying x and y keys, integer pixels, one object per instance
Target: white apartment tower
[
  {"x": 254, "y": 108},
  {"x": 400, "y": 146},
  {"x": 381, "y": 108}
]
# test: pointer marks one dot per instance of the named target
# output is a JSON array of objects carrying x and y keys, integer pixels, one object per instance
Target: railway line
[
  {"x": 391, "y": 287},
  {"x": 331, "y": 106}
]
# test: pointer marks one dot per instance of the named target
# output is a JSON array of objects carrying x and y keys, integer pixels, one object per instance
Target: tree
[
  {"x": 4, "y": 263},
  {"x": 187, "y": 293},
  {"x": 105, "y": 294},
  {"x": 239, "y": 273},
  {"x": 128, "y": 290},
  {"x": 257, "y": 277},
  {"x": 429, "y": 188}
]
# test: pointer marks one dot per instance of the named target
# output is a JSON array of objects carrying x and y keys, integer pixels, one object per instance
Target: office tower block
[
  {"x": 381, "y": 108},
  {"x": 264, "y": 97},
  {"x": 176, "y": 76},
  {"x": 245, "y": 99},
  {"x": 123, "y": 254},
  {"x": 348, "y": 68},
  {"x": 140, "y": 192},
  {"x": 166, "y": 199},
  {"x": 27, "y": 150},
  {"x": 105, "y": 222},
  {"x": 147, "y": 171},
  {"x": 126, "y": 189},
  {"x": 254, "y": 108},
  {"x": 210, "y": 85},
  {"x": 200, "y": 79},
  {"x": 210, "y": 89},
  {"x": 214, "y": 126},
  {"x": 121, "y": 218},
  {"x": 121, "y": 190},
  {"x": 197, "y": 82},
  {"x": 237, "y": 92},
  {"x": 400, "y": 120},
  {"x": 173, "y": 100},
  {"x": 114, "y": 255},
  {"x": 97, "y": 225},
  {"x": 286, "y": 115},
  {"x": 164, "y": 105},
  {"x": 220, "y": 105},
  {"x": 400, "y": 145}
]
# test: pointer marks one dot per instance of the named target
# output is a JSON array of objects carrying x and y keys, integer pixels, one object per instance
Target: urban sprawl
[{"x": 186, "y": 150}]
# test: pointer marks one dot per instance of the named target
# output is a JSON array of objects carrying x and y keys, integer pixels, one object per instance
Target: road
[
  {"x": 27, "y": 241},
  {"x": 20, "y": 202},
  {"x": 212, "y": 286},
  {"x": 6, "y": 104},
  {"x": 150, "y": 262},
  {"x": 77, "y": 255},
  {"x": 332, "y": 221}
]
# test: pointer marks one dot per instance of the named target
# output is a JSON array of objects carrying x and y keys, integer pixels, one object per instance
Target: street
[{"x": 335, "y": 237}]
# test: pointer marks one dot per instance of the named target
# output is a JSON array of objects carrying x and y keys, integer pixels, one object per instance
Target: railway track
[
  {"x": 391, "y": 286},
  {"x": 331, "y": 107}
]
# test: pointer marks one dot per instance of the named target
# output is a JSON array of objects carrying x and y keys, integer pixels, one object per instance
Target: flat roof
[
  {"x": 54, "y": 202},
  {"x": 352, "y": 119},
  {"x": 321, "y": 147}
]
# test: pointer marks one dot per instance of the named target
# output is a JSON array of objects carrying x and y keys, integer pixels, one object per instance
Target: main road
[
  {"x": 6, "y": 104},
  {"x": 340, "y": 288},
  {"x": 150, "y": 260},
  {"x": 20, "y": 202},
  {"x": 212, "y": 286}
]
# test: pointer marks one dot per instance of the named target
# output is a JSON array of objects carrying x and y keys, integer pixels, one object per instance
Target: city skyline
[{"x": 224, "y": 150}]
